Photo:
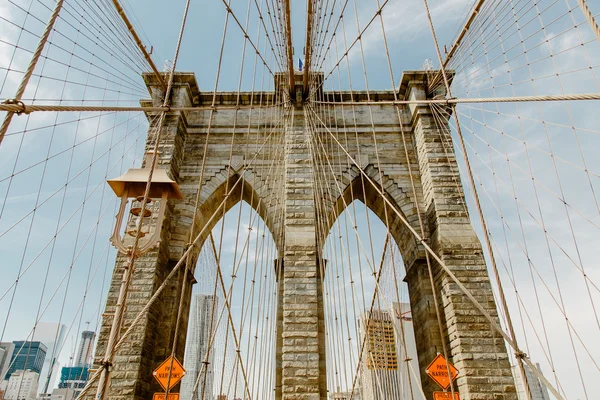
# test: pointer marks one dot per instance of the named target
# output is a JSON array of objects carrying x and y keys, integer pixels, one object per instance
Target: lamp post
[{"x": 141, "y": 235}]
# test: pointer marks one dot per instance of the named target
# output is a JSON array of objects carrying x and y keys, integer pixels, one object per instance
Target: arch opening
[
  {"x": 232, "y": 307},
  {"x": 367, "y": 309}
]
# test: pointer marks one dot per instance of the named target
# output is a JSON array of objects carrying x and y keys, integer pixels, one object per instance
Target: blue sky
[{"x": 67, "y": 157}]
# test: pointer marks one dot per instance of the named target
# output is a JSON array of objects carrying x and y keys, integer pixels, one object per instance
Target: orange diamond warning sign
[
  {"x": 161, "y": 374},
  {"x": 438, "y": 371}
]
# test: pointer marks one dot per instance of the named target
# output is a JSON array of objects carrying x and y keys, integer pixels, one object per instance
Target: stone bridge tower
[{"x": 474, "y": 348}]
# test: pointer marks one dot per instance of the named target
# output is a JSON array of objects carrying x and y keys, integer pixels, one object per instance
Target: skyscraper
[
  {"x": 199, "y": 333},
  {"x": 86, "y": 347},
  {"x": 384, "y": 372},
  {"x": 537, "y": 388},
  {"x": 6, "y": 351},
  {"x": 27, "y": 356},
  {"x": 52, "y": 335}
]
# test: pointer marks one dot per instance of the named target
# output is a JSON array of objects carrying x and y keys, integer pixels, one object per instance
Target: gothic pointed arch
[
  {"x": 358, "y": 187},
  {"x": 229, "y": 187}
]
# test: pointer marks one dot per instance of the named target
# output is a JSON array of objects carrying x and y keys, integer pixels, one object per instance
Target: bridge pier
[
  {"x": 474, "y": 347},
  {"x": 301, "y": 330}
]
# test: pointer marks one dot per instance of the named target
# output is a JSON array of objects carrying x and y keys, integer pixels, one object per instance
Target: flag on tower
[{"x": 300, "y": 64}]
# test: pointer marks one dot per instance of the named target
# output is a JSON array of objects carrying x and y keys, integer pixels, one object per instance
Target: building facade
[
  {"x": 389, "y": 364},
  {"x": 27, "y": 356},
  {"x": 86, "y": 349},
  {"x": 73, "y": 379},
  {"x": 536, "y": 388},
  {"x": 22, "y": 385},
  {"x": 53, "y": 335},
  {"x": 195, "y": 362},
  {"x": 6, "y": 351},
  {"x": 380, "y": 372}
]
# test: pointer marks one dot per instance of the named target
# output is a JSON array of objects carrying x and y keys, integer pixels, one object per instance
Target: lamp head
[{"x": 134, "y": 181}]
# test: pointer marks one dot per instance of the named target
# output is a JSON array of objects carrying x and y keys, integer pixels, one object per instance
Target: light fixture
[{"x": 132, "y": 185}]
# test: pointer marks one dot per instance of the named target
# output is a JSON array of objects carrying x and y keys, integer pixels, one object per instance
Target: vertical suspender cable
[
  {"x": 518, "y": 353},
  {"x": 31, "y": 67},
  {"x": 288, "y": 38},
  {"x": 307, "y": 47},
  {"x": 128, "y": 265}
]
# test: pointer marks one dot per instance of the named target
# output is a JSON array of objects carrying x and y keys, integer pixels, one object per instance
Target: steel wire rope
[
  {"x": 203, "y": 168},
  {"x": 498, "y": 31},
  {"x": 527, "y": 174},
  {"x": 57, "y": 31},
  {"x": 234, "y": 271},
  {"x": 16, "y": 45},
  {"x": 333, "y": 346},
  {"x": 73, "y": 256},
  {"x": 159, "y": 290},
  {"x": 98, "y": 37},
  {"x": 374, "y": 272},
  {"x": 50, "y": 196},
  {"x": 327, "y": 290},
  {"x": 348, "y": 166},
  {"x": 538, "y": 273},
  {"x": 589, "y": 18},
  {"x": 128, "y": 49},
  {"x": 100, "y": 298},
  {"x": 53, "y": 239},
  {"x": 417, "y": 205},
  {"x": 343, "y": 252},
  {"x": 525, "y": 118},
  {"x": 41, "y": 314},
  {"x": 115, "y": 19},
  {"x": 359, "y": 38},
  {"x": 460, "y": 285},
  {"x": 76, "y": 254},
  {"x": 532, "y": 265},
  {"x": 482, "y": 31},
  {"x": 510, "y": 229},
  {"x": 518, "y": 353},
  {"x": 496, "y": 207},
  {"x": 545, "y": 231},
  {"x": 31, "y": 67},
  {"x": 584, "y": 164},
  {"x": 57, "y": 124},
  {"x": 247, "y": 139},
  {"x": 531, "y": 35},
  {"x": 20, "y": 91},
  {"x": 229, "y": 11},
  {"x": 84, "y": 141},
  {"x": 103, "y": 372},
  {"x": 243, "y": 180},
  {"x": 50, "y": 241}
]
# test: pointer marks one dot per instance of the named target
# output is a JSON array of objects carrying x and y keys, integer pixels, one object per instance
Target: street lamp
[
  {"x": 147, "y": 216},
  {"x": 132, "y": 185}
]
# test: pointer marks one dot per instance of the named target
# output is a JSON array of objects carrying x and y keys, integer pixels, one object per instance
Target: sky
[{"x": 535, "y": 164}]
